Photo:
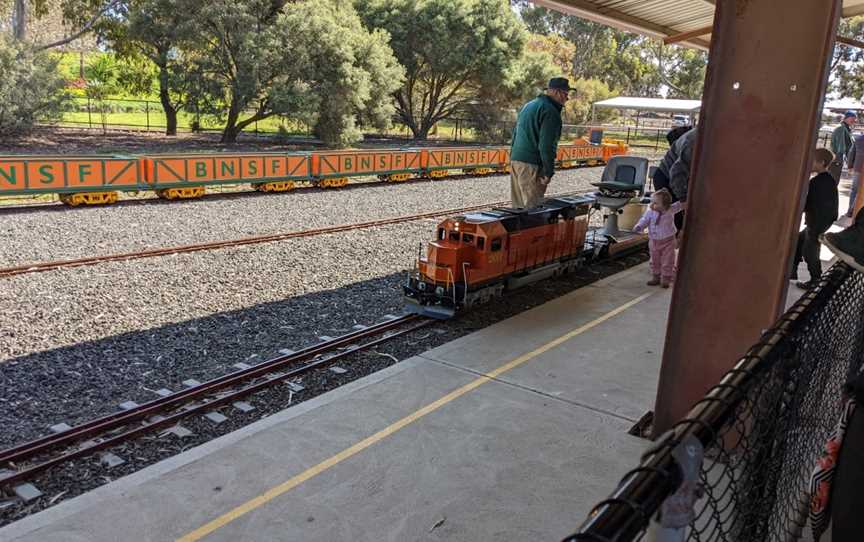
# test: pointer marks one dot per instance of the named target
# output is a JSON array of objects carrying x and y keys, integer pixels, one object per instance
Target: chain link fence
[
  {"x": 762, "y": 429},
  {"x": 147, "y": 115}
]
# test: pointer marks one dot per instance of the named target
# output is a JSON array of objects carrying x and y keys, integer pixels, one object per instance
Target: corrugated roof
[
  {"x": 650, "y": 104},
  {"x": 658, "y": 18}
]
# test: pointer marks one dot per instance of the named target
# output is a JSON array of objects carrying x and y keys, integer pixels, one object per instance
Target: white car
[{"x": 680, "y": 120}]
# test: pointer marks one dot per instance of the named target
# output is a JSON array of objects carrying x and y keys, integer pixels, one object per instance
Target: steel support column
[{"x": 767, "y": 73}]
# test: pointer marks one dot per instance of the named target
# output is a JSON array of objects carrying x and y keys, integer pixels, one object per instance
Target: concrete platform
[{"x": 511, "y": 433}]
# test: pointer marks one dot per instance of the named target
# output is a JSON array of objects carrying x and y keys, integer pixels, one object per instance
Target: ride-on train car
[
  {"x": 477, "y": 256},
  {"x": 98, "y": 179}
]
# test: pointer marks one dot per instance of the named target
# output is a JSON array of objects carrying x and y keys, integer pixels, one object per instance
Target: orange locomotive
[{"x": 478, "y": 256}]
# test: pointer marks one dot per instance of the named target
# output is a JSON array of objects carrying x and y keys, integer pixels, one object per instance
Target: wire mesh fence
[{"x": 762, "y": 429}]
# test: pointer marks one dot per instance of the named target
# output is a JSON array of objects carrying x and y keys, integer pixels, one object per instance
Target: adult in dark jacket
[
  {"x": 535, "y": 144},
  {"x": 673, "y": 173},
  {"x": 855, "y": 159},
  {"x": 841, "y": 143},
  {"x": 820, "y": 211}
]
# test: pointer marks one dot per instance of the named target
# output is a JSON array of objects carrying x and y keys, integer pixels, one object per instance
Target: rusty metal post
[{"x": 767, "y": 73}]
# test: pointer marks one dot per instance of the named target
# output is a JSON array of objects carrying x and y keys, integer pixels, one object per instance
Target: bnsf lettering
[
  {"x": 11, "y": 175},
  {"x": 472, "y": 157},
  {"x": 397, "y": 161},
  {"x": 200, "y": 169},
  {"x": 348, "y": 164},
  {"x": 276, "y": 165},
  {"x": 227, "y": 168},
  {"x": 253, "y": 168},
  {"x": 460, "y": 157},
  {"x": 365, "y": 162},
  {"x": 447, "y": 156},
  {"x": 47, "y": 175},
  {"x": 84, "y": 170},
  {"x": 382, "y": 161}
]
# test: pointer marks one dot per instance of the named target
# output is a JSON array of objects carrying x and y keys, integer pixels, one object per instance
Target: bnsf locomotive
[{"x": 478, "y": 256}]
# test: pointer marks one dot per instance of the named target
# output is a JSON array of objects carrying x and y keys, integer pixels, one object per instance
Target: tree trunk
[
  {"x": 167, "y": 106},
  {"x": 229, "y": 134},
  {"x": 20, "y": 19},
  {"x": 170, "y": 121}
]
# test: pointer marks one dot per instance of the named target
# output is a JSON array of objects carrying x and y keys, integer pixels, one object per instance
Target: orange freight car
[
  {"x": 471, "y": 160},
  {"x": 185, "y": 175},
  {"x": 87, "y": 179},
  {"x": 333, "y": 168}
]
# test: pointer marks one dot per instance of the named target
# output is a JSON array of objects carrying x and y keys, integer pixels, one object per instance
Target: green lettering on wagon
[
  {"x": 84, "y": 170},
  {"x": 47, "y": 175},
  {"x": 11, "y": 175}
]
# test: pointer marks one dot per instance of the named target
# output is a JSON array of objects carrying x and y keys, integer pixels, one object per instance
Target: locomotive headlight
[
  {"x": 439, "y": 291},
  {"x": 421, "y": 286}
]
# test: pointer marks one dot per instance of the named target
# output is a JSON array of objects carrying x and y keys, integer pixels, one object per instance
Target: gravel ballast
[{"x": 59, "y": 232}]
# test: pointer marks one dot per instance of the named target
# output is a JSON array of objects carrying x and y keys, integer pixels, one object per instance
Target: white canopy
[
  {"x": 651, "y": 104},
  {"x": 844, "y": 104}
]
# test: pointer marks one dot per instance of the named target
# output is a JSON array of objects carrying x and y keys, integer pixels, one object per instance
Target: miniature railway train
[
  {"x": 98, "y": 179},
  {"x": 480, "y": 255}
]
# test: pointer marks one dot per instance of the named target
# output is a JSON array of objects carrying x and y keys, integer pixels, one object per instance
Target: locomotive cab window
[
  {"x": 442, "y": 234},
  {"x": 481, "y": 242},
  {"x": 454, "y": 235},
  {"x": 467, "y": 237},
  {"x": 496, "y": 244}
]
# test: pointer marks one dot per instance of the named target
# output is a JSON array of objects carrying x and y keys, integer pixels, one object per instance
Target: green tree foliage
[
  {"x": 452, "y": 51},
  {"x": 561, "y": 51},
  {"x": 310, "y": 59},
  {"x": 148, "y": 35},
  {"x": 847, "y": 67},
  {"x": 103, "y": 81},
  {"x": 588, "y": 91},
  {"x": 627, "y": 63},
  {"x": 31, "y": 90},
  {"x": 493, "y": 111}
]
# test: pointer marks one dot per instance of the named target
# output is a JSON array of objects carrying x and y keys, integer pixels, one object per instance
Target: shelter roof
[{"x": 658, "y": 18}]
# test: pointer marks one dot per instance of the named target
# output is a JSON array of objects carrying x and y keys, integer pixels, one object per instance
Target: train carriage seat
[{"x": 624, "y": 178}]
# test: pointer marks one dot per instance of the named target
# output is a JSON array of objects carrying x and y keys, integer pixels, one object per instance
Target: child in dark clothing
[{"x": 820, "y": 211}]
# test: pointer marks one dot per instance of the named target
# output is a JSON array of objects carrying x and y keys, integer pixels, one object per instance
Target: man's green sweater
[{"x": 538, "y": 129}]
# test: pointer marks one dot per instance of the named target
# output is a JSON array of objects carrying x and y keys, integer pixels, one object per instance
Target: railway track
[
  {"x": 25, "y": 462},
  {"x": 152, "y": 253}
]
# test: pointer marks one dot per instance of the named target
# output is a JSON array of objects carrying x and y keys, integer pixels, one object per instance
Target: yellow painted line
[{"x": 312, "y": 472}]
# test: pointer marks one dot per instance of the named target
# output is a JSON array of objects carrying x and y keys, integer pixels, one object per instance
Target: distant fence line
[{"x": 148, "y": 115}]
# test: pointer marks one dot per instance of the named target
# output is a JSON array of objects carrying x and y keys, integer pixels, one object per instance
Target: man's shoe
[
  {"x": 809, "y": 285},
  {"x": 848, "y": 245}
]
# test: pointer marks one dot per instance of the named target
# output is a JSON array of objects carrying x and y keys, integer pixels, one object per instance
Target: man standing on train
[{"x": 535, "y": 144}]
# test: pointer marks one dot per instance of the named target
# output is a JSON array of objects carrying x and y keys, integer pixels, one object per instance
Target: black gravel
[{"x": 96, "y": 387}]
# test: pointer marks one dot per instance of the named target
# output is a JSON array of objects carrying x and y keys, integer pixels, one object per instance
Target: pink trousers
[{"x": 663, "y": 257}]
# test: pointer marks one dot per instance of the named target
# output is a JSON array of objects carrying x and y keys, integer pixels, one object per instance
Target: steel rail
[
  {"x": 29, "y": 450},
  {"x": 167, "y": 251}
]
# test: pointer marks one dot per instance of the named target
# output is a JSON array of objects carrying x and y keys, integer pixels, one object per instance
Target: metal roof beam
[{"x": 614, "y": 18}]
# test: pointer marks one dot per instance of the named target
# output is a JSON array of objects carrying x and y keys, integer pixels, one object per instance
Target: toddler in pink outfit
[{"x": 660, "y": 221}]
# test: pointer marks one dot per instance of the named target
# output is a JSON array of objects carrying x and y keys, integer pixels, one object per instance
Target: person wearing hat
[
  {"x": 841, "y": 143},
  {"x": 535, "y": 144}
]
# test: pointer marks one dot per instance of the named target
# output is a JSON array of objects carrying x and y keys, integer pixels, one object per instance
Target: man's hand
[{"x": 545, "y": 180}]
